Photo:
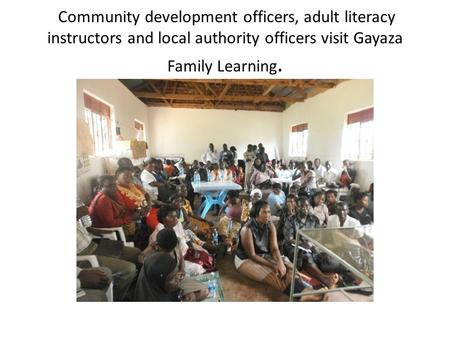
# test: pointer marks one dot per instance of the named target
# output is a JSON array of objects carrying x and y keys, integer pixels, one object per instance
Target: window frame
[
  {"x": 97, "y": 114},
  {"x": 362, "y": 123},
  {"x": 301, "y": 145}
]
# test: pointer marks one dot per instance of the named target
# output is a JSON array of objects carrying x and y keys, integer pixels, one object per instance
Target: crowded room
[{"x": 225, "y": 190}]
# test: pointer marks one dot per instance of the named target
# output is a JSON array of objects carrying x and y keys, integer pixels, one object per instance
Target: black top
[
  {"x": 364, "y": 218},
  {"x": 331, "y": 209},
  {"x": 260, "y": 234},
  {"x": 152, "y": 277},
  {"x": 291, "y": 224}
]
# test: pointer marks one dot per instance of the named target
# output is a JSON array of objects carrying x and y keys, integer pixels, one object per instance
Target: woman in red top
[
  {"x": 135, "y": 200},
  {"x": 107, "y": 209}
]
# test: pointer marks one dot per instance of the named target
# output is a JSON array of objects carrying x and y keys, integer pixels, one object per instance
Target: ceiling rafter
[{"x": 239, "y": 94}]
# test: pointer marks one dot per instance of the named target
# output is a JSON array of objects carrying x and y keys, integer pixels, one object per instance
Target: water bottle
[
  {"x": 210, "y": 287},
  {"x": 230, "y": 225},
  {"x": 222, "y": 174},
  {"x": 209, "y": 176},
  {"x": 215, "y": 237},
  {"x": 214, "y": 288},
  {"x": 181, "y": 171},
  {"x": 196, "y": 178}
]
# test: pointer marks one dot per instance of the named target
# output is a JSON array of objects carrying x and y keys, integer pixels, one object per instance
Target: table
[
  {"x": 216, "y": 296},
  {"x": 210, "y": 190},
  {"x": 352, "y": 247}
]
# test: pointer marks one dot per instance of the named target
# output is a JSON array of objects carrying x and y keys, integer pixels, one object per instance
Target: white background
[{"x": 38, "y": 172}]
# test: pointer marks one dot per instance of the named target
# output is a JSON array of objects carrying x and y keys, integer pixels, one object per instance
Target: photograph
[{"x": 225, "y": 190}]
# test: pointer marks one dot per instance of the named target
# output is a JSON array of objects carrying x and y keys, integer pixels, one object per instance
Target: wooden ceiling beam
[
  {"x": 174, "y": 90},
  {"x": 158, "y": 92},
  {"x": 268, "y": 90},
  {"x": 207, "y": 86},
  {"x": 186, "y": 97},
  {"x": 197, "y": 88},
  {"x": 219, "y": 106},
  {"x": 224, "y": 90},
  {"x": 241, "y": 99},
  {"x": 244, "y": 81}
]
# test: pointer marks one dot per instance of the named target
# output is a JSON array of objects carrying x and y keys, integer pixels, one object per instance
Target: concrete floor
[{"x": 238, "y": 288}]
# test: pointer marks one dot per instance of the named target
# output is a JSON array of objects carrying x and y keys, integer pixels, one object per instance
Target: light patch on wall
[{"x": 83, "y": 164}]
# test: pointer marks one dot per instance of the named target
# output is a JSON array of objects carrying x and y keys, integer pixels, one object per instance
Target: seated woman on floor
[
  {"x": 182, "y": 216},
  {"x": 167, "y": 217},
  {"x": 200, "y": 225},
  {"x": 258, "y": 256},
  {"x": 192, "y": 232},
  {"x": 319, "y": 208},
  {"x": 295, "y": 217},
  {"x": 192, "y": 290},
  {"x": 255, "y": 195},
  {"x": 230, "y": 224},
  {"x": 107, "y": 209}
]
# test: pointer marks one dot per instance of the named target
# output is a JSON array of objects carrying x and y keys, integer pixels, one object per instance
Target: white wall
[
  {"x": 189, "y": 131},
  {"x": 326, "y": 117},
  {"x": 125, "y": 108}
]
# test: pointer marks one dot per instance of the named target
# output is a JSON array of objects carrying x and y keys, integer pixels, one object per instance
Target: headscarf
[
  {"x": 153, "y": 275},
  {"x": 254, "y": 191}
]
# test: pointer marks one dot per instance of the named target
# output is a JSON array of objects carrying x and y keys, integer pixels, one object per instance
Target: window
[
  {"x": 98, "y": 116},
  {"x": 358, "y": 135},
  {"x": 298, "y": 141},
  {"x": 139, "y": 126}
]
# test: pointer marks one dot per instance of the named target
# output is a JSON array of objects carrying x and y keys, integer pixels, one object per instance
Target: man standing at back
[
  {"x": 320, "y": 170},
  {"x": 225, "y": 154},
  {"x": 211, "y": 155}
]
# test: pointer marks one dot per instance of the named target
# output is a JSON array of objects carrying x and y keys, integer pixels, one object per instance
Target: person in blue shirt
[{"x": 276, "y": 199}]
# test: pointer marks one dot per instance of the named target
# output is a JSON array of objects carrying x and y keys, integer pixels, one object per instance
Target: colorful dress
[{"x": 133, "y": 198}]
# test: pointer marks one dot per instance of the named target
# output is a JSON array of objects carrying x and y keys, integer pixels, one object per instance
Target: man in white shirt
[
  {"x": 307, "y": 178},
  {"x": 211, "y": 155},
  {"x": 331, "y": 175},
  {"x": 341, "y": 219},
  {"x": 149, "y": 182},
  {"x": 319, "y": 169}
]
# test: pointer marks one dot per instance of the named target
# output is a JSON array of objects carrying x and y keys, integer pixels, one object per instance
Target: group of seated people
[{"x": 172, "y": 244}]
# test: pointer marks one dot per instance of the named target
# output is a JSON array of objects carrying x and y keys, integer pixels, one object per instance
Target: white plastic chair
[
  {"x": 93, "y": 261},
  {"x": 87, "y": 222}
]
